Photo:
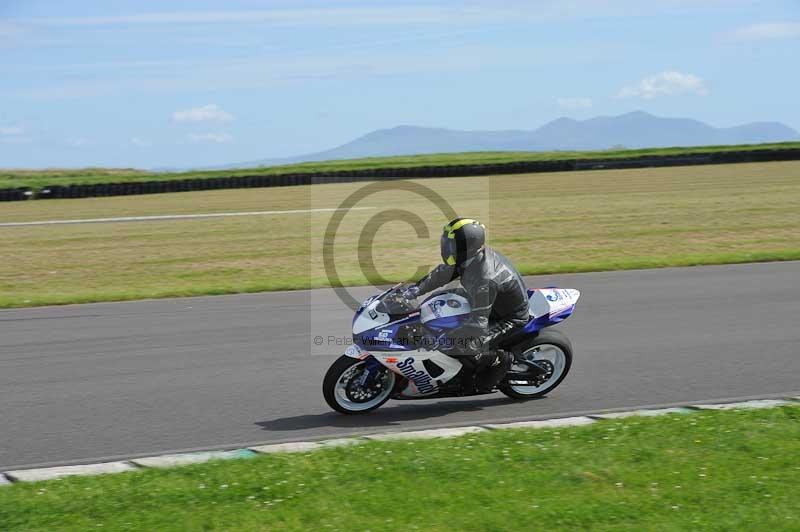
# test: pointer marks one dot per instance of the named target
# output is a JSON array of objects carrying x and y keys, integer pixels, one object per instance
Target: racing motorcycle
[{"x": 399, "y": 350}]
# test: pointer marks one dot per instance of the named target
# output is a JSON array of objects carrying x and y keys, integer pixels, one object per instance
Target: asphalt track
[{"x": 89, "y": 382}]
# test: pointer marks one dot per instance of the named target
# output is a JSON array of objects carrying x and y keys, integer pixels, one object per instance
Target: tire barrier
[
  {"x": 378, "y": 174},
  {"x": 16, "y": 194}
]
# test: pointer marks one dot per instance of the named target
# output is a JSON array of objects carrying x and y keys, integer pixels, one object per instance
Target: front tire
[
  {"x": 344, "y": 393},
  {"x": 554, "y": 350}
]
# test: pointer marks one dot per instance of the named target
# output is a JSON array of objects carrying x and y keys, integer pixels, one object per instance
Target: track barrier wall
[{"x": 378, "y": 174}]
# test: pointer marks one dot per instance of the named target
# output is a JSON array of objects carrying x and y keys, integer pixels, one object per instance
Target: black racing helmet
[{"x": 462, "y": 240}]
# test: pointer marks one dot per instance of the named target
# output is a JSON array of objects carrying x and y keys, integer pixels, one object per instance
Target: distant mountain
[{"x": 632, "y": 130}]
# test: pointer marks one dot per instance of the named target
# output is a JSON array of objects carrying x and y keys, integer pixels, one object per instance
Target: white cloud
[
  {"x": 768, "y": 31},
  {"x": 11, "y": 131},
  {"x": 210, "y": 138},
  {"x": 140, "y": 142},
  {"x": 573, "y": 103},
  {"x": 476, "y": 11},
  {"x": 279, "y": 69},
  {"x": 14, "y": 135},
  {"x": 9, "y": 30},
  {"x": 665, "y": 83},
  {"x": 206, "y": 113},
  {"x": 78, "y": 142},
  {"x": 357, "y": 15}
]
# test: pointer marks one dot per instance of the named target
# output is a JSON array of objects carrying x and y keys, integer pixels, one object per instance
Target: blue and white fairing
[
  {"x": 548, "y": 306},
  {"x": 444, "y": 311},
  {"x": 376, "y": 338},
  {"x": 375, "y": 331}
]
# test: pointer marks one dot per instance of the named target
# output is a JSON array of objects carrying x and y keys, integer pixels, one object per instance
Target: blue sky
[{"x": 181, "y": 84}]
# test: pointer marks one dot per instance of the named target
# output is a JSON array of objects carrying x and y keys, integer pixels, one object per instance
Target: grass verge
[
  {"x": 713, "y": 470},
  {"x": 10, "y": 178},
  {"x": 545, "y": 223}
]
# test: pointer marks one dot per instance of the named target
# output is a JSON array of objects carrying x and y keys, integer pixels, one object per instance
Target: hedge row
[{"x": 348, "y": 176}]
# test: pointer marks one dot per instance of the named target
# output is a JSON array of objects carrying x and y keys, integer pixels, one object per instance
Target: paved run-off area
[{"x": 85, "y": 383}]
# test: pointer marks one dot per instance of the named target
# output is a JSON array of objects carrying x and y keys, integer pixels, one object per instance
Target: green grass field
[
  {"x": 546, "y": 223},
  {"x": 10, "y": 178},
  {"x": 723, "y": 470}
]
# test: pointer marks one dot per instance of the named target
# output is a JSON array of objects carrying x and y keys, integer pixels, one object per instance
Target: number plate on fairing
[
  {"x": 552, "y": 301},
  {"x": 445, "y": 305}
]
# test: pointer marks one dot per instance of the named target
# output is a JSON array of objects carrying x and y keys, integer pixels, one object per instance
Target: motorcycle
[{"x": 399, "y": 350}]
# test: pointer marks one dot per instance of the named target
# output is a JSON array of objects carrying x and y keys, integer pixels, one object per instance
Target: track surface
[{"x": 89, "y": 382}]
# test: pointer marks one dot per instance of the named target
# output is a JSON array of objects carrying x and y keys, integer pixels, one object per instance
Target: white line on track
[{"x": 173, "y": 217}]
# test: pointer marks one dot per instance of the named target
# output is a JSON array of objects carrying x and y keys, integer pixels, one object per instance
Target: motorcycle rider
[{"x": 496, "y": 293}]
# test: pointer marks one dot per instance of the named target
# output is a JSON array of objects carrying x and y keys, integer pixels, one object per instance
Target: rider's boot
[
  {"x": 469, "y": 370},
  {"x": 468, "y": 383},
  {"x": 492, "y": 375}
]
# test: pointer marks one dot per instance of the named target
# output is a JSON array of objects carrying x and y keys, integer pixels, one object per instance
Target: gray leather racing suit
[{"x": 496, "y": 293}]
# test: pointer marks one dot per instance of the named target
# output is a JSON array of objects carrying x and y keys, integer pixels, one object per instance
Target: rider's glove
[
  {"x": 411, "y": 292},
  {"x": 474, "y": 344},
  {"x": 441, "y": 343}
]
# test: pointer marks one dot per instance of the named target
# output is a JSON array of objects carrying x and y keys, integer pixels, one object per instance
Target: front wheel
[
  {"x": 552, "y": 352},
  {"x": 353, "y": 386}
]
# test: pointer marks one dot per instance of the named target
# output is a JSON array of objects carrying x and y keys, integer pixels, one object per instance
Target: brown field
[{"x": 561, "y": 222}]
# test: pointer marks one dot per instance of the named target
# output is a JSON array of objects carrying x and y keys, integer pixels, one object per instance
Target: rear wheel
[
  {"x": 551, "y": 351},
  {"x": 353, "y": 386}
]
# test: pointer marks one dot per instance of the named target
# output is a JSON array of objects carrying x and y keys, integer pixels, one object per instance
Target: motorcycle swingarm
[{"x": 533, "y": 373}]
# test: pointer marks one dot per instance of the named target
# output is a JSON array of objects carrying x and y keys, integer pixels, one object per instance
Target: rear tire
[
  {"x": 547, "y": 345},
  {"x": 336, "y": 382}
]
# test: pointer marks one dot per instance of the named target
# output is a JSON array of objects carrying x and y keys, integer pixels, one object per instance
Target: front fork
[{"x": 371, "y": 367}]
